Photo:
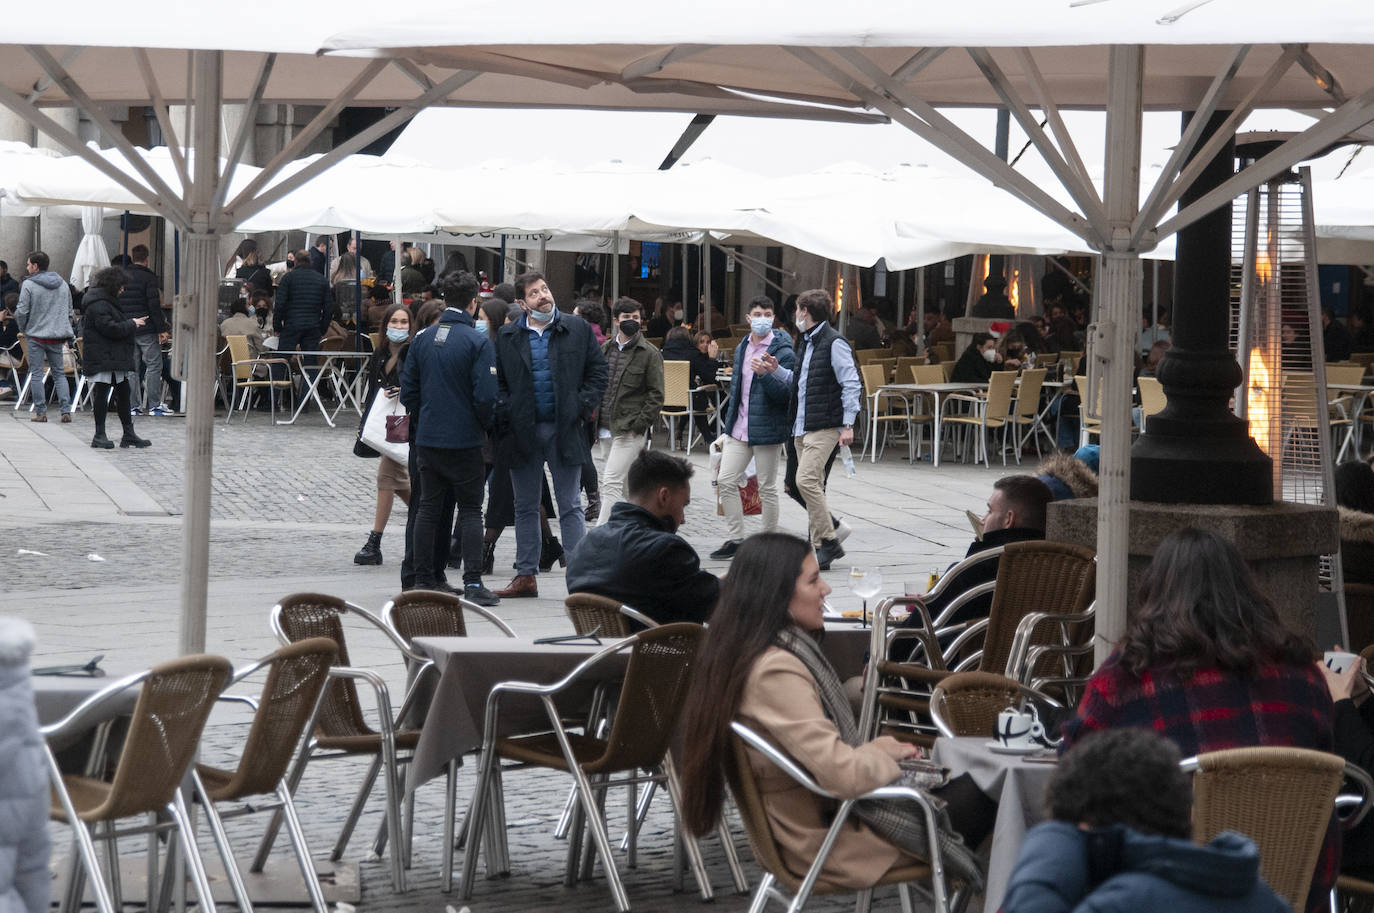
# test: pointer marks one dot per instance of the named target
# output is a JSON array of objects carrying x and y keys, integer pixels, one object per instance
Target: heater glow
[{"x": 1263, "y": 401}]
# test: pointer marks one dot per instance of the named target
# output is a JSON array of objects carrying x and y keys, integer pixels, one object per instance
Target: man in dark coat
[
  {"x": 550, "y": 376},
  {"x": 637, "y": 558},
  {"x": 301, "y": 311},
  {"x": 994, "y": 301},
  {"x": 142, "y": 297}
]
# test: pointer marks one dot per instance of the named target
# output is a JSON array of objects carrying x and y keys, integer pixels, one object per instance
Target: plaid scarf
[{"x": 894, "y": 820}]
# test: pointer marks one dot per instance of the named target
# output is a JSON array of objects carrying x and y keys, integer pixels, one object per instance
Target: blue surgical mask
[
  {"x": 482, "y": 326},
  {"x": 761, "y": 326},
  {"x": 396, "y": 334},
  {"x": 541, "y": 316},
  {"x": 252, "y": 311}
]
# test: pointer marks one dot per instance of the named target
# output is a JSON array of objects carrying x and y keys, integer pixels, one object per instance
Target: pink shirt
[{"x": 740, "y": 431}]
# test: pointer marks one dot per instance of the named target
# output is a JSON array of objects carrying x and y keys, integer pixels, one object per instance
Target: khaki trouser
[
  {"x": 734, "y": 460},
  {"x": 813, "y": 449},
  {"x": 617, "y": 453}
]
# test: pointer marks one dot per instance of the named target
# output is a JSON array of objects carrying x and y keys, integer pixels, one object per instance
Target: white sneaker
[
  {"x": 163, "y": 409},
  {"x": 842, "y": 531}
]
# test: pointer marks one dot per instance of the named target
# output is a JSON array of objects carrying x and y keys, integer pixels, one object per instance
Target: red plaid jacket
[{"x": 1214, "y": 709}]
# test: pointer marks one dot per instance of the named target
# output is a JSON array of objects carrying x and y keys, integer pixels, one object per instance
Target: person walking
[
  {"x": 821, "y": 411},
  {"x": 384, "y": 373},
  {"x": 550, "y": 377},
  {"x": 632, "y": 400},
  {"x": 108, "y": 355},
  {"x": 755, "y": 423},
  {"x": 44, "y": 316},
  {"x": 449, "y": 384}
]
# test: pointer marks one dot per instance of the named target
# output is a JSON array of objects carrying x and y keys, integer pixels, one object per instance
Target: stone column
[
  {"x": 58, "y": 236},
  {"x": 16, "y": 232}
]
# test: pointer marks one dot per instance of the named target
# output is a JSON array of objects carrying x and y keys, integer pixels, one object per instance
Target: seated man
[
  {"x": 1119, "y": 839},
  {"x": 637, "y": 558},
  {"x": 1016, "y": 513}
]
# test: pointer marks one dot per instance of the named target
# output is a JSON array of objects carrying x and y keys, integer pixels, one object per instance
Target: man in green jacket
[{"x": 631, "y": 403}]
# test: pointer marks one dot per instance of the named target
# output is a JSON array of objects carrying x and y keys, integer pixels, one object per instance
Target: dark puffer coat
[{"x": 108, "y": 340}]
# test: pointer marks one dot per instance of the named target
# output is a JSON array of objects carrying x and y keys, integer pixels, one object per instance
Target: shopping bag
[
  {"x": 748, "y": 492},
  {"x": 375, "y": 428}
]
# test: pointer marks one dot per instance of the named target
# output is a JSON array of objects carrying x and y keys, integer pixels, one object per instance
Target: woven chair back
[
  {"x": 1028, "y": 394},
  {"x": 755, "y": 818},
  {"x": 1281, "y": 798},
  {"x": 601, "y": 614},
  {"x": 239, "y": 352},
  {"x": 295, "y": 676},
  {"x": 426, "y": 613},
  {"x": 970, "y": 701},
  {"x": 305, "y": 615},
  {"x": 172, "y": 707},
  {"x": 1057, "y": 578},
  {"x": 677, "y": 385},
  {"x": 927, "y": 374},
  {"x": 1359, "y": 615},
  {"x": 1152, "y": 398},
  {"x": 656, "y": 679},
  {"x": 1001, "y": 386},
  {"x": 1344, "y": 374}
]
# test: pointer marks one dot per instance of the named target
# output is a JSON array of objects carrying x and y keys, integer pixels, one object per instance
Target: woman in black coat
[{"x": 107, "y": 355}]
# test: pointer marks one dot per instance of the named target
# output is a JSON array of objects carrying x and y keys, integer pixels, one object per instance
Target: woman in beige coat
[{"x": 752, "y": 668}]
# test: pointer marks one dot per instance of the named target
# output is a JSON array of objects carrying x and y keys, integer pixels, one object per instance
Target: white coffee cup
[
  {"x": 1338, "y": 661},
  {"x": 1016, "y": 729}
]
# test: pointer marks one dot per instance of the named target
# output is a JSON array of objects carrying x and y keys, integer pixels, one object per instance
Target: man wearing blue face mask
[
  {"x": 755, "y": 423},
  {"x": 550, "y": 378},
  {"x": 449, "y": 386}
]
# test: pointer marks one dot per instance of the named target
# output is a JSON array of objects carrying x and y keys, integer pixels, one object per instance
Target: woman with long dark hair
[
  {"x": 760, "y": 664},
  {"x": 384, "y": 373},
  {"x": 1207, "y": 663},
  {"x": 107, "y": 356}
]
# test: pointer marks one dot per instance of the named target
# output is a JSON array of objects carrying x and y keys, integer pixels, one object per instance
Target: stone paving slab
[{"x": 290, "y": 507}]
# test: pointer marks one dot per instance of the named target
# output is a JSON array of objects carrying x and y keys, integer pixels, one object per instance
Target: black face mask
[{"x": 629, "y": 327}]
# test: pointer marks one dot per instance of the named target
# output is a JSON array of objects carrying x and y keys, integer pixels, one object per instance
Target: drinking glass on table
[{"x": 865, "y": 583}]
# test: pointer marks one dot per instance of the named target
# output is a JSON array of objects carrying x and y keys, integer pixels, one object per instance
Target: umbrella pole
[
  {"x": 615, "y": 268},
  {"x": 199, "y": 327},
  {"x": 358, "y": 294},
  {"x": 396, "y": 275},
  {"x": 124, "y": 224},
  {"x": 706, "y": 281}
]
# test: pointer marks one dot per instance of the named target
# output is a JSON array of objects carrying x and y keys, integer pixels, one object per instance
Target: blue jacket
[
  {"x": 768, "y": 395},
  {"x": 303, "y": 302},
  {"x": 449, "y": 382},
  {"x": 1062, "y": 868},
  {"x": 579, "y": 378}
]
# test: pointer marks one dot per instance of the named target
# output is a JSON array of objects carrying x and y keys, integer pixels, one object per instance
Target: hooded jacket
[
  {"x": 1357, "y": 546},
  {"x": 24, "y": 848},
  {"x": 108, "y": 335},
  {"x": 1063, "y": 868},
  {"x": 1067, "y": 477},
  {"x": 45, "y": 307}
]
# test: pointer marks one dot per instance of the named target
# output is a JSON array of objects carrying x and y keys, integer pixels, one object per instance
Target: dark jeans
[
  {"x": 789, "y": 479},
  {"x": 440, "y": 551},
  {"x": 456, "y": 473},
  {"x": 307, "y": 340}
]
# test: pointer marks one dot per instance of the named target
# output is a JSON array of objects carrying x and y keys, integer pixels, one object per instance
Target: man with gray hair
[{"x": 44, "y": 316}]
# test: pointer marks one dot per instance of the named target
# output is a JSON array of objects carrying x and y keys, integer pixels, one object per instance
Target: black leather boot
[
  {"x": 371, "y": 552},
  {"x": 488, "y": 558},
  {"x": 551, "y": 552}
]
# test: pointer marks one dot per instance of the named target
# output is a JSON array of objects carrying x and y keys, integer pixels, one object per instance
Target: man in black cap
[{"x": 994, "y": 302}]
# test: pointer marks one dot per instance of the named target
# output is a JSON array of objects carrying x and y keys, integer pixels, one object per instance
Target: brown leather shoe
[
  {"x": 524, "y": 586},
  {"x": 66, "y": 418},
  {"x": 39, "y": 417}
]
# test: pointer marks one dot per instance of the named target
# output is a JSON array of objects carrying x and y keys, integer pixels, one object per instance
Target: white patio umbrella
[{"x": 91, "y": 254}]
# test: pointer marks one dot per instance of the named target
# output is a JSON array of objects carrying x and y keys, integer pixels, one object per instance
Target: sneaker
[
  {"x": 476, "y": 593},
  {"x": 163, "y": 409},
  {"x": 134, "y": 410},
  {"x": 842, "y": 531},
  {"x": 726, "y": 551}
]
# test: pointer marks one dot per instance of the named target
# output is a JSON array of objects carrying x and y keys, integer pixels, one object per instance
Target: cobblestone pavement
[{"x": 290, "y": 507}]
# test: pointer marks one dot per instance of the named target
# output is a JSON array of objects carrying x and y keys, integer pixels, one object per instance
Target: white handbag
[{"x": 374, "y": 429}]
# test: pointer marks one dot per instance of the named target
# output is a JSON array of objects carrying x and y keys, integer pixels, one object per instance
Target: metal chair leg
[
  {"x": 293, "y": 780},
  {"x": 761, "y": 894},
  {"x": 177, "y": 809},
  {"x": 603, "y": 843},
  {"x": 476, "y": 811},
  {"x": 391, "y": 769},
  {"x": 364, "y": 790},
  {"x": 226, "y": 852},
  {"x": 727, "y": 843},
  {"x": 450, "y": 810},
  {"x": 904, "y": 893},
  {"x": 864, "y": 902},
  {"x": 690, "y": 844},
  {"x": 307, "y": 865}
]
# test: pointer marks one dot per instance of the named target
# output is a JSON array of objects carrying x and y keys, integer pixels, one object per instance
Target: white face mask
[
  {"x": 990, "y": 355},
  {"x": 678, "y": 314},
  {"x": 801, "y": 321}
]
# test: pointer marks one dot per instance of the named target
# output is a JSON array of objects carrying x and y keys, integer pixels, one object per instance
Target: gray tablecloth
[
  {"x": 471, "y": 666},
  {"x": 1018, "y": 787},
  {"x": 55, "y": 696}
]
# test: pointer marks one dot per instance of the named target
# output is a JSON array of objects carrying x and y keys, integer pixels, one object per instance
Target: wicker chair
[
  {"x": 967, "y": 703},
  {"x": 340, "y": 730},
  {"x": 1050, "y": 583},
  {"x": 173, "y": 704},
  {"x": 1281, "y": 798},
  {"x": 296, "y": 676},
  {"x": 241, "y": 366},
  {"x": 604, "y": 616},
  {"x": 777, "y": 878},
  {"x": 427, "y": 613},
  {"x": 656, "y": 679},
  {"x": 989, "y": 412}
]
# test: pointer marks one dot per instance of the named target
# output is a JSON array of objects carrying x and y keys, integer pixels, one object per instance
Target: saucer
[{"x": 998, "y": 748}]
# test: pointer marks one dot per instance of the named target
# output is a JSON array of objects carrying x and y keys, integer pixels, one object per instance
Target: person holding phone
[{"x": 108, "y": 355}]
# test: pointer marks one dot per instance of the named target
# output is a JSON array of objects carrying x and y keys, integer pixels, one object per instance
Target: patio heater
[{"x": 1274, "y": 331}]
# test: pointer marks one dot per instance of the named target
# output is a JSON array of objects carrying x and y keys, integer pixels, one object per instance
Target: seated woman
[
  {"x": 1354, "y": 723},
  {"x": 760, "y": 664},
  {"x": 978, "y": 362},
  {"x": 1207, "y": 664},
  {"x": 1355, "y": 501}
]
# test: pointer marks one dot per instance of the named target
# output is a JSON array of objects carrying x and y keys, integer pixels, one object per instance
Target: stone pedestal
[
  {"x": 965, "y": 327},
  {"x": 1281, "y": 542}
]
